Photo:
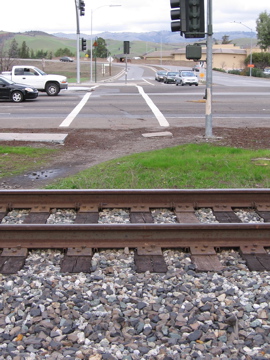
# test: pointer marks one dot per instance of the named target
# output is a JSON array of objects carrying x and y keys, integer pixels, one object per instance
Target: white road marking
[
  {"x": 68, "y": 120},
  {"x": 159, "y": 116},
  {"x": 148, "y": 82}
]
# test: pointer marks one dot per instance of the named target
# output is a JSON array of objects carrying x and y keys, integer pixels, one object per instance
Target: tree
[
  {"x": 225, "y": 39},
  {"x": 260, "y": 60},
  {"x": 100, "y": 50},
  {"x": 13, "y": 51},
  {"x": 263, "y": 30},
  {"x": 63, "y": 52},
  {"x": 24, "y": 51},
  {"x": 7, "y": 55}
]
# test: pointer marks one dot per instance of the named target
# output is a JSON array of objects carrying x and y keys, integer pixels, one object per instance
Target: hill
[
  {"x": 141, "y": 43},
  {"x": 166, "y": 37}
]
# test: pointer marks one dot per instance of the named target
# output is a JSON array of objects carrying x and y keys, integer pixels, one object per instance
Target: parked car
[
  {"x": 266, "y": 71},
  {"x": 66, "y": 59},
  {"x": 186, "y": 78},
  {"x": 160, "y": 75},
  {"x": 197, "y": 67},
  {"x": 16, "y": 92},
  {"x": 169, "y": 77}
]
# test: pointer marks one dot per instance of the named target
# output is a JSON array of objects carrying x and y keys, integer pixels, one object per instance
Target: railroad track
[{"x": 141, "y": 233}]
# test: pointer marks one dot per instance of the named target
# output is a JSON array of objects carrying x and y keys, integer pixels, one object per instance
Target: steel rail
[
  {"x": 134, "y": 235},
  {"x": 148, "y": 238},
  {"x": 97, "y": 199}
]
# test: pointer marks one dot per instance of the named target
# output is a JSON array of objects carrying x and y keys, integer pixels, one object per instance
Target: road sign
[{"x": 250, "y": 65}]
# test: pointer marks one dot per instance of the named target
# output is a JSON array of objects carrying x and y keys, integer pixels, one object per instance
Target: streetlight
[
  {"x": 250, "y": 57},
  {"x": 91, "y": 46}
]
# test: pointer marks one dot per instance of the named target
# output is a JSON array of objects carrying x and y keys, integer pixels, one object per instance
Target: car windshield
[
  {"x": 172, "y": 73},
  {"x": 187, "y": 73},
  {"x": 161, "y": 72},
  {"x": 5, "y": 81}
]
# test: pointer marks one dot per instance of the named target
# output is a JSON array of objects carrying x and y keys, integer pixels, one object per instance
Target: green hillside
[
  {"x": 37, "y": 40},
  {"x": 46, "y": 42}
]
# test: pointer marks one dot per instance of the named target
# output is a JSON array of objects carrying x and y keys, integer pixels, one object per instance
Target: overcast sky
[{"x": 132, "y": 16}]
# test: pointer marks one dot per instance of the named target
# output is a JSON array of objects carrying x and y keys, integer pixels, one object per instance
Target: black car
[
  {"x": 16, "y": 92},
  {"x": 170, "y": 77},
  {"x": 66, "y": 59}
]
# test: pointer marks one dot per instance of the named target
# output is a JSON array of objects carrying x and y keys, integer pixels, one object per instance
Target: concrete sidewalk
[{"x": 39, "y": 137}]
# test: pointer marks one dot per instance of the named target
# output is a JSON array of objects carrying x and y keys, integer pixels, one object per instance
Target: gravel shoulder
[{"x": 85, "y": 148}]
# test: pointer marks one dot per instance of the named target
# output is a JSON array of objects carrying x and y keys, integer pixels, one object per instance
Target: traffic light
[
  {"x": 126, "y": 47},
  {"x": 178, "y": 15},
  {"x": 195, "y": 19},
  {"x": 82, "y": 7},
  {"x": 83, "y": 44}
]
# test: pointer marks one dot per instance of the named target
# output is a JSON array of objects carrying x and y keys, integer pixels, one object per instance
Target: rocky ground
[
  {"x": 114, "y": 313},
  {"x": 85, "y": 148}
]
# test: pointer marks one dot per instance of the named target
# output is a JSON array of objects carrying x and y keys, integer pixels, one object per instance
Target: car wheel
[
  {"x": 196, "y": 84},
  {"x": 182, "y": 84},
  {"x": 17, "y": 96},
  {"x": 52, "y": 89}
]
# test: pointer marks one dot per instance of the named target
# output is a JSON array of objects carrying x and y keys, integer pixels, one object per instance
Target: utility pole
[
  {"x": 208, "y": 91},
  {"x": 78, "y": 41}
]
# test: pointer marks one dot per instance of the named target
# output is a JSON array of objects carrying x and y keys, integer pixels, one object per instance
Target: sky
[{"x": 53, "y": 16}]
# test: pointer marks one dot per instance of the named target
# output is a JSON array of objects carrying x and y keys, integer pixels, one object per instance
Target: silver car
[
  {"x": 160, "y": 75},
  {"x": 186, "y": 78}
]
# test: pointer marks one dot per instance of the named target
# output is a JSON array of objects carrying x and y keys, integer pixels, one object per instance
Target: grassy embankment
[
  {"x": 17, "y": 160},
  {"x": 186, "y": 166}
]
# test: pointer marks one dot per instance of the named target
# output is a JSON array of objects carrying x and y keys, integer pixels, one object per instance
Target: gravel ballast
[{"x": 115, "y": 313}]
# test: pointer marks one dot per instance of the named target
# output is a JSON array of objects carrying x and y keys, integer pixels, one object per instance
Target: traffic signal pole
[
  {"x": 188, "y": 19},
  {"x": 78, "y": 41},
  {"x": 209, "y": 79}
]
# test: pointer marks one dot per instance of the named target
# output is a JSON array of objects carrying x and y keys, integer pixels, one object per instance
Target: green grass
[
  {"x": 188, "y": 166},
  {"x": 16, "y": 160}
]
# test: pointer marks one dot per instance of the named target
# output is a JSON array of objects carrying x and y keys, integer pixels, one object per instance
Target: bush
[
  {"x": 221, "y": 70},
  {"x": 255, "y": 72},
  {"x": 235, "y": 72}
]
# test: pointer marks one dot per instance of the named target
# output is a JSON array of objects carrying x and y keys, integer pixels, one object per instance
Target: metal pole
[
  {"x": 78, "y": 42},
  {"x": 91, "y": 43},
  {"x": 91, "y": 48},
  {"x": 250, "y": 55},
  {"x": 209, "y": 60},
  {"x": 126, "y": 71}
]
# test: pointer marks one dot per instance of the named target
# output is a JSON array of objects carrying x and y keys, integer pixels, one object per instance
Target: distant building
[{"x": 226, "y": 57}]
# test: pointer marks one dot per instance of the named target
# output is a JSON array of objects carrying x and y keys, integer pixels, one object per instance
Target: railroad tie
[
  {"x": 149, "y": 258},
  {"x": 12, "y": 260},
  {"x": 77, "y": 260},
  {"x": 205, "y": 258},
  {"x": 257, "y": 259}
]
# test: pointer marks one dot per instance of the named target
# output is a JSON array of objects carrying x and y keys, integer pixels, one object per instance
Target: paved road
[{"x": 135, "y": 100}]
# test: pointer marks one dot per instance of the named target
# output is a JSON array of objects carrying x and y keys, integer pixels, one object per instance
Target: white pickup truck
[{"x": 32, "y": 76}]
